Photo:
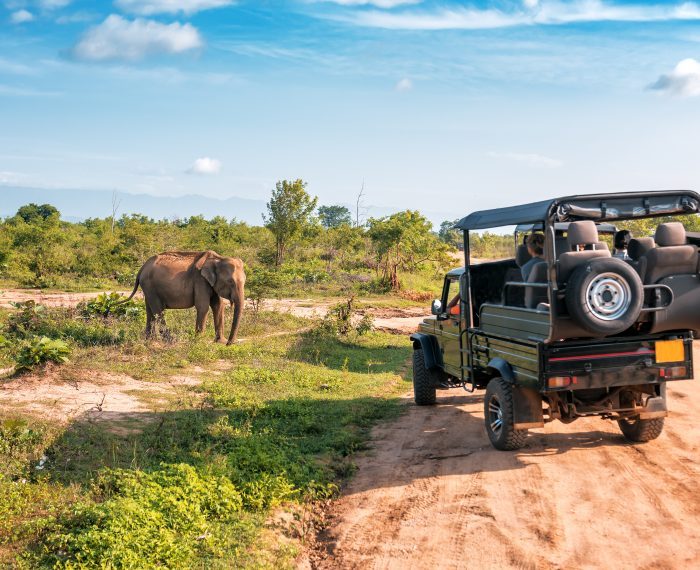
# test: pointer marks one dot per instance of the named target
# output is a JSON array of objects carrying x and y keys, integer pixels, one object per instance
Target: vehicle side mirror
[{"x": 436, "y": 307}]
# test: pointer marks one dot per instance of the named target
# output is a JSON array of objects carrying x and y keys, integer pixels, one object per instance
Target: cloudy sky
[{"x": 437, "y": 105}]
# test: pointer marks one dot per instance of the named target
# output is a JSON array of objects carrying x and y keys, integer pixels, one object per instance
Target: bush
[
  {"x": 40, "y": 350},
  {"x": 164, "y": 519},
  {"x": 26, "y": 320},
  {"x": 342, "y": 319},
  {"x": 111, "y": 304}
]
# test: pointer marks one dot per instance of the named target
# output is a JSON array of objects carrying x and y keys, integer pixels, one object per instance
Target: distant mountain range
[{"x": 77, "y": 205}]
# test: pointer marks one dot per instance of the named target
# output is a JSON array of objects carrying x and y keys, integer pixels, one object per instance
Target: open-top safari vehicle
[{"x": 587, "y": 334}]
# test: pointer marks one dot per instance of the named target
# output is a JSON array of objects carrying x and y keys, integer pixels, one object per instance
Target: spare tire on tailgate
[{"x": 604, "y": 296}]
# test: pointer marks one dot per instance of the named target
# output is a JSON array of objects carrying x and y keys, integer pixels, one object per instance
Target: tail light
[
  {"x": 673, "y": 372},
  {"x": 561, "y": 381}
]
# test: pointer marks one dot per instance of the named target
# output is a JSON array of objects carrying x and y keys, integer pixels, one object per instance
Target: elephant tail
[{"x": 136, "y": 288}]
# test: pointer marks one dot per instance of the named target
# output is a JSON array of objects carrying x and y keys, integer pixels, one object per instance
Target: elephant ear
[{"x": 206, "y": 264}]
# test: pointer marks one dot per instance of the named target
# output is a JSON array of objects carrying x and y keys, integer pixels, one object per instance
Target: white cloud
[
  {"x": 21, "y": 16},
  {"x": 404, "y": 84},
  {"x": 205, "y": 165},
  {"x": 683, "y": 81},
  {"x": 531, "y": 159},
  {"x": 531, "y": 3},
  {"x": 377, "y": 3},
  {"x": 119, "y": 39},
  {"x": 150, "y": 7},
  {"x": 552, "y": 12}
]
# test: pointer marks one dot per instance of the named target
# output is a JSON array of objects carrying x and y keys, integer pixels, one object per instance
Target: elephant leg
[
  {"x": 163, "y": 328},
  {"x": 201, "y": 318},
  {"x": 150, "y": 321},
  {"x": 217, "y": 309}
]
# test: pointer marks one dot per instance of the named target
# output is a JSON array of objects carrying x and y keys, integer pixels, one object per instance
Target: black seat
[
  {"x": 536, "y": 295},
  {"x": 672, "y": 256},
  {"x": 636, "y": 249},
  {"x": 580, "y": 233}
]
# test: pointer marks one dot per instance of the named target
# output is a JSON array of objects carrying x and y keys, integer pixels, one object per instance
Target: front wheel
[
  {"x": 423, "y": 381},
  {"x": 639, "y": 431},
  {"x": 498, "y": 416}
]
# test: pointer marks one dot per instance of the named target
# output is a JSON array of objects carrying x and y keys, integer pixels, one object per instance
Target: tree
[
  {"x": 32, "y": 212},
  {"x": 289, "y": 213},
  {"x": 449, "y": 235},
  {"x": 404, "y": 241},
  {"x": 334, "y": 216}
]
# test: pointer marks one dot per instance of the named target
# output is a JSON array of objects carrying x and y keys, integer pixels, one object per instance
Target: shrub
[
  {"x": 111, "y": 304},
  {"x": 26, "y": 320},
  {"x": 164, "y": 519},
  {"x": 40, "y": 350},
  {"x": 341, "y": 320}
]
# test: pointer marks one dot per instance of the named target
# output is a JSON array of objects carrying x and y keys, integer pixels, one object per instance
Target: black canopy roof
[{"x": 596, "y": 207}]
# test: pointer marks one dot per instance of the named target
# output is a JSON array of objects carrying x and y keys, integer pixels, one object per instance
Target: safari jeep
[{"x": 588, "y": 334}]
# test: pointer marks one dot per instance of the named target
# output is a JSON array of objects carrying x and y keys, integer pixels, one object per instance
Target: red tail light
[
  {"x": 561, "y": 381},
  {"x": 673, "y": 372}
]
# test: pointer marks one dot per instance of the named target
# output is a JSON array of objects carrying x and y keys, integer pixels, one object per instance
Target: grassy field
[{"x": 220, "y": 473}]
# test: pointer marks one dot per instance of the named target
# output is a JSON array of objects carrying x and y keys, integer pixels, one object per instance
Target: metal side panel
[
  {"x": 514, "y": 322},
  {"x": 523, "y": 357}
]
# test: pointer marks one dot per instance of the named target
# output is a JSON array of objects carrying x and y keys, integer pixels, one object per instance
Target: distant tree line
[{"x": 300, "y": 243}]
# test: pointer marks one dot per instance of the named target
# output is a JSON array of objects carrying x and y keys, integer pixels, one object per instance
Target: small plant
[
  {"x": 111, "y": 305},
  {"x": 26, "y": 320},
  {"x": 40, "y": 350},
  {"x": 341, "y": 320}
]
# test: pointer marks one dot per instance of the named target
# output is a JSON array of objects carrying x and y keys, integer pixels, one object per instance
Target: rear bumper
[{"x": 615, "y": 363}]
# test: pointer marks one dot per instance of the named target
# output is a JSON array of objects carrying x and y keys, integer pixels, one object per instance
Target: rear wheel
[
  {"x": 498, "y": 416},
  {"x": 423, "y": 380},
  {"x": 638, "y": 430}
]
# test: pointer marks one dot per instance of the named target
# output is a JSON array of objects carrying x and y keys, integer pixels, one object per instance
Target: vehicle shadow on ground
[{"x": 450, "y": 439}]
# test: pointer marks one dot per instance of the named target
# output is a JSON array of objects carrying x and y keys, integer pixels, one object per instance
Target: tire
[
  {"x": 423, "y": 381},
  {"x": 639, "y": 431},
  {"x": 605, "y": 296},
  {"x": 498, "y": 416}
]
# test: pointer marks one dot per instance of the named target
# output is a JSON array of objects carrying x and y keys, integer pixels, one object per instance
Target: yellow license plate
[{"x": 670, "y": 351}]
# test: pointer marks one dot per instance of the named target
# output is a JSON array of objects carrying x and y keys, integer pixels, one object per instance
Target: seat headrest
[
  {"x": 581, "y": 232},
  {"x": 670, "y": 233},
  {"x": 522, "y": 255},
  {"x": 639, "y": 246}
]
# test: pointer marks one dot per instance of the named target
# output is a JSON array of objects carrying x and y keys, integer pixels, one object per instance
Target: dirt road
[
  {"x": 393, "y": 320},
  {"x": 434, "y": 494}
]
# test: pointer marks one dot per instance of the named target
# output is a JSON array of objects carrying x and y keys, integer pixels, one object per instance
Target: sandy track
[
  {"x": 434, "y": 494},
  {"x": 394, "y": 320}
]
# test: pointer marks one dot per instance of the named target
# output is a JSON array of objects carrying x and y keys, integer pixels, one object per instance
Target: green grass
[{"x": 191, "y": 486}]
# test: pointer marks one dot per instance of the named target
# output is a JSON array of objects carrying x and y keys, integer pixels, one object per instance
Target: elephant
[{"x": 184, "y": 279}]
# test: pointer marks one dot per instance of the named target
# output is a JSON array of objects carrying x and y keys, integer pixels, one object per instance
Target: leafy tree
[
  {"x": 289, "y": 214},
  {"x": 334, "y": 216},
  {"x": 404, "y": 241},
  {"x": 33, "y": 212},
  {"x": 449, "y": 235}
]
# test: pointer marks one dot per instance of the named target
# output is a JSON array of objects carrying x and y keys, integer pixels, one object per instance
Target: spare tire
[{"x": 604, "y": 296}]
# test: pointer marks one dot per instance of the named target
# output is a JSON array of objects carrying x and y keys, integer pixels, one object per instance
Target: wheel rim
[
  {"x": 495, "y": 416},
  {"x": 608, "y": 296}
]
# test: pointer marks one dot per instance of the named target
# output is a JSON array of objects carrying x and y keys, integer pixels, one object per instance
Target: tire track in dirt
[{"x": 434, "y": 494}]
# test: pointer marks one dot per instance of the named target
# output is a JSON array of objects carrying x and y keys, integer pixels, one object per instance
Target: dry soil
[{"x": 434, "y": 494}]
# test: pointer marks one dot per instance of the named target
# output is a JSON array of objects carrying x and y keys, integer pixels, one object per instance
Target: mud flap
[
  {"x": 527, "y": 408},
  {"x": 656, "y": 407}
]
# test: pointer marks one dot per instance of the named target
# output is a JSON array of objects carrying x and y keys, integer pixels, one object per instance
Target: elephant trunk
[{"x": 237, "y": 310}]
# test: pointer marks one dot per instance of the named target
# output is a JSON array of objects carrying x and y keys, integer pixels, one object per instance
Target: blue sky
[{"x": 437, "y": 105}]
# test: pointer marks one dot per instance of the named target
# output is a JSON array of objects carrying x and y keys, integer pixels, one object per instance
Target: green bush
[
  {"x": 40, "y": 350},
  {"x": 168, "y": 518},
  {"x": 341, "y": 320},
  {"x": 111, "y": 304},
  {"x": 26, "y": 320}
]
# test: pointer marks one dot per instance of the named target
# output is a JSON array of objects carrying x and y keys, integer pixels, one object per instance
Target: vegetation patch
[{"x": 193, "y": 485}]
